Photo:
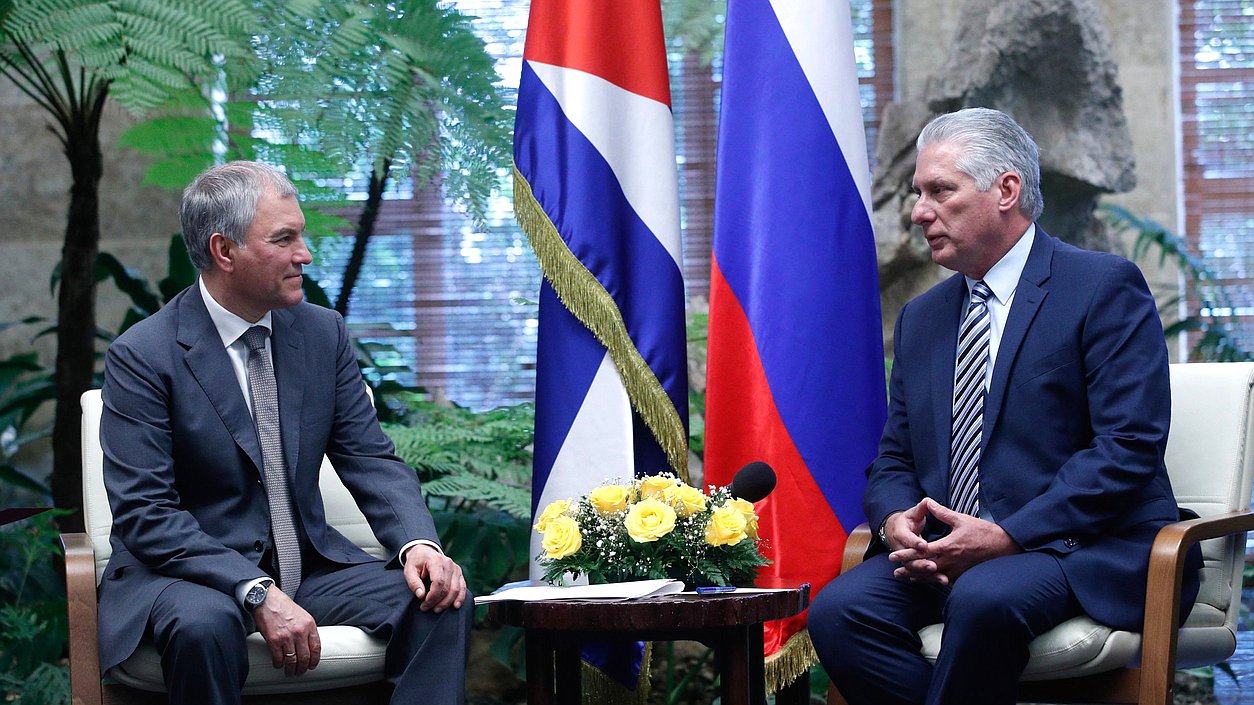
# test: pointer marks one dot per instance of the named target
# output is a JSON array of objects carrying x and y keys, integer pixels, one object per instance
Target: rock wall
[{"x": 1062, "y": 68}]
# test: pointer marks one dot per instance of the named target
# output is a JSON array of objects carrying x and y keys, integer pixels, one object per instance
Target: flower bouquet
[{"x": 649, "y": 528}]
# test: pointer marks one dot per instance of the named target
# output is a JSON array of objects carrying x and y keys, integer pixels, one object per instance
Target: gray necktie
[
  {"x": 968, "y": 416},
  {"x": 265, "y": 394}
]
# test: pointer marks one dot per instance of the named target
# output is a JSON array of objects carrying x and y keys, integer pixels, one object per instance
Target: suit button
[
  {"x": 1070, "y": 543},
  {"x": 259, "y": 546}
]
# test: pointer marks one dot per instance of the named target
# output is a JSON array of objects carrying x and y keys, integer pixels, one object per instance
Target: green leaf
[
  {"x": 10, "y": 475},
  {"x": 129, "y": 281}
]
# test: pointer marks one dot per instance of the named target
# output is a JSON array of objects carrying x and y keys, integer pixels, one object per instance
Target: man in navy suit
[
  {"x": 1066, "y": 486},
  {"x": 207, "y": 544}
]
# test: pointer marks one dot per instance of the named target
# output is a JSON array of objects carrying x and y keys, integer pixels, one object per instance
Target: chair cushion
[
  {"x": 349, "y": 657},
  {"x": 1078, "y": 643},
  {"x": 1080, "y": 646}
]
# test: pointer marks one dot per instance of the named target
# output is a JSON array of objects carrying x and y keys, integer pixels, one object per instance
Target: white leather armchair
[
  {"x": 351, "y": 669},
  {"x": 1211, "y": 462}
]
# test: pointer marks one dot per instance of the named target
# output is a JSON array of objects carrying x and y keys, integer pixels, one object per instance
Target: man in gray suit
[{"x": 218, "y": 410}]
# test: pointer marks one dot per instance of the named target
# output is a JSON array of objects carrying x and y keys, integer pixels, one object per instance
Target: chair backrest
[
  {"x": 341, "y": 510},
  {"x": 1211, "y": 463}
]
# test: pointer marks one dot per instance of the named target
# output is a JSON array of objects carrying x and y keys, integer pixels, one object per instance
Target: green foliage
[
  {"x": 33, "y": 618},
  {"x": 141, "y": 51},
  {"x": 697, "y": 327},
  {"x": 475, "y": 470},
  {"x": 400, "y": 88},
  {"x": 1214, "y": 341},
  {"x": 24, "y": 387},
  {"x": 695, "y": 26}
]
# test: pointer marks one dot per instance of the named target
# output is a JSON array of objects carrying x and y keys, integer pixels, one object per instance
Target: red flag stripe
[{"x": 621, "y": 42}]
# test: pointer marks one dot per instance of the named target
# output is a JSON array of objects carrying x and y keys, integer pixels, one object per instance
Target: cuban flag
[
  {"x": 796, "y": 359},
  {"x": 596, "y": 191}
]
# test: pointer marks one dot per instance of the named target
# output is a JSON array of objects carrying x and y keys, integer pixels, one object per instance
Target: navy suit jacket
[
  {"x": 1075, "y": 422},
  {"x": 182, "y": 462}
]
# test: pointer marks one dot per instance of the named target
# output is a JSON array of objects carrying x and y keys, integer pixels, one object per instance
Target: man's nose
[
  {"x": 921, "y": 212},
  {"x": 302, "y": 252}
]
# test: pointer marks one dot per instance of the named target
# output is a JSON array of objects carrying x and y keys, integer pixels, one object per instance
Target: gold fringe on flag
[
  {"x": 793, "y": 659},
  {"x": 581, "y": 292},
  {"x": 600, "y": 689}
]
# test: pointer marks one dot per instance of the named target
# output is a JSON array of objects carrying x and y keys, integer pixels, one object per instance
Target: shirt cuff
[
  {"x": 244, "y": 586},
  {"x": 415, "y": 542}
]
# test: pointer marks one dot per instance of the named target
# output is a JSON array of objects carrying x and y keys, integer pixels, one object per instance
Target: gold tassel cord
[
  {"x": 793, "y": 659},
  {"x": 581, "y": 292}
]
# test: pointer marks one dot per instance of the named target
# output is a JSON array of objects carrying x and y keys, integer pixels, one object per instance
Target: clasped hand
[{"x": 970, "y": 541}]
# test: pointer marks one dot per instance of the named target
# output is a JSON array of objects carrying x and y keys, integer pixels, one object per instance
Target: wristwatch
[
  {"x": 257, "y": 595},
  {"x": 882, "y": 534}
]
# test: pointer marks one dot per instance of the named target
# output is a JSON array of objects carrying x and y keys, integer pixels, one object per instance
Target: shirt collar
[
  {"x": 1003, "y": 278},
  {"x": 230, "y": 326}
]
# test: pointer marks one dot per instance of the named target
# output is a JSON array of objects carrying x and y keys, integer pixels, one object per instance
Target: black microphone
[{"x": 753, "y": 482}]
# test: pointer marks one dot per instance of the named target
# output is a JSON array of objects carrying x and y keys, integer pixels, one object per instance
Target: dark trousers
[
  {"x": 200, "y": 632},
  {"x": 865, "y": 624}
]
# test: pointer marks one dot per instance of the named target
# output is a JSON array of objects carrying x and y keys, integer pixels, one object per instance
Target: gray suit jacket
[{"x": 182, "y": 462}]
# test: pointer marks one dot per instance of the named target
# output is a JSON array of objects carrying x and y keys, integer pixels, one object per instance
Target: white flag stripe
[
  {"x": 635, "y": 135},
  {"x": 599, "y": 446},
  {"x": 829, "y": 73}
]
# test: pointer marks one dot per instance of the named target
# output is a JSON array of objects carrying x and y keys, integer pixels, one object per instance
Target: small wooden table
[{"x": 730, "y": 623}]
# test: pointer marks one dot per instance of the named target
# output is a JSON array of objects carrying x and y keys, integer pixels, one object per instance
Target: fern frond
[{"x": 511, "y": 500}]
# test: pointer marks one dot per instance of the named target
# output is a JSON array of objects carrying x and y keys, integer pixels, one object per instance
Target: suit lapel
[
  {"x": 286, "y": 346},
  {"x": 943, "y": 360},
  {"x": 1029, "y": 295},
  {"x": 207, "y": 359}
]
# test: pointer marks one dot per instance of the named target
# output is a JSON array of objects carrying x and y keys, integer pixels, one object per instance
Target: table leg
[
  {"x": 569, "y": 674},
  {"x": 740, "y": 665},
  {"x": 539, "y": 668}
]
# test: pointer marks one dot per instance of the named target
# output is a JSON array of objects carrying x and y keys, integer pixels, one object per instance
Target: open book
[{"x": 633, "y": 590}]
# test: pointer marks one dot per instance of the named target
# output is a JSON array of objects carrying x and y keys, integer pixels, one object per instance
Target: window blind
[{"x": 1217, "y": 125}]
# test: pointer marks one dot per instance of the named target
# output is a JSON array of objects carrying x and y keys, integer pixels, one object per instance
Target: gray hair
[
  {"x": 992, "y": 144},
  {"x": 223, "y": 199}
]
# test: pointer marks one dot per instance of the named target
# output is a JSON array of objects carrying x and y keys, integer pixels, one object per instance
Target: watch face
[{"x": 255, "y": 597}]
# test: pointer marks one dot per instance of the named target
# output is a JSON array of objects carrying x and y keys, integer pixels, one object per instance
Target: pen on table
[{"x": 715, "y": 589}]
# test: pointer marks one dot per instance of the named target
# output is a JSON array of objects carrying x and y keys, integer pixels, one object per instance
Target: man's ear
[
  {"x": 1008, "y": 185},
  {"x": 222, "y": 250}
]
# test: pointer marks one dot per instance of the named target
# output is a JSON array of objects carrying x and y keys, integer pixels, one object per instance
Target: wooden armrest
[
  {"x": 855, "y": 547},
  {"x": 1162, "y": 592},
  {"x": 80, "y": 593}
]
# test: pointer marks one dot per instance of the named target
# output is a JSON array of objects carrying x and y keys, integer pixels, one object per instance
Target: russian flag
[
  {"x": 596, "y": 191},
  {"x": 796, "y": 360}
]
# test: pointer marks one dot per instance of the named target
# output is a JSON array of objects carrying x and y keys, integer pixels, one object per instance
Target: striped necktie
[
  {"x": 968, "y": 418},
  {"x": 265, "y": 394}
]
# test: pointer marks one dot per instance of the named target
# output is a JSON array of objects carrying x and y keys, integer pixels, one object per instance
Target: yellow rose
[
  {"x": 649, "y": 520},
  {"x": 610, "y": 498},
  {"x": 551, "y": 512},
  {"x": 561, "y": 537},
  {"x": 686, "y": 500},
  {"x": 745, "y": 507},
  {"x": 726, "y": 528},
  {"x": 655, "y": 486}
]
